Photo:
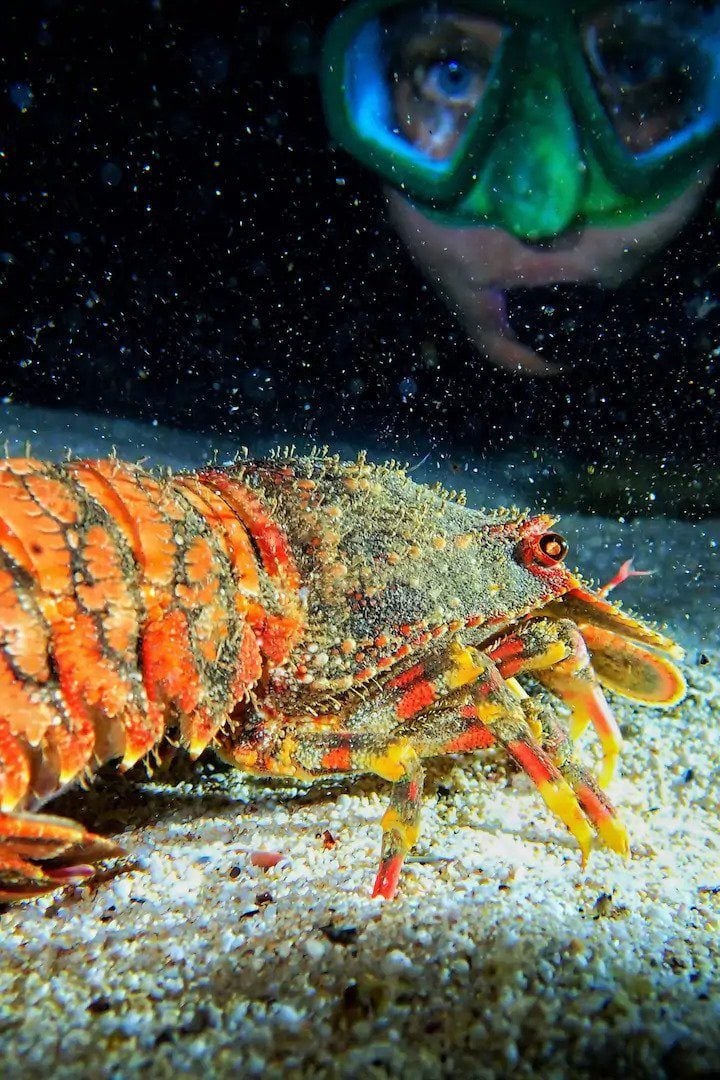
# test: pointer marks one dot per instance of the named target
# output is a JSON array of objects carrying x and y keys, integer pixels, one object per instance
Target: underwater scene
[{"x": 360, "y": 539}]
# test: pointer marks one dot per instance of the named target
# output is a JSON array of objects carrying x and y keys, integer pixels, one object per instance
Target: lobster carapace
[{"x": 301, "y": 616}]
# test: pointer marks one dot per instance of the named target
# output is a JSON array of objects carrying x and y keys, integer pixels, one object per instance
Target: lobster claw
[
  {"x": 39, "y": 853},
  {"x": 626, "y": 654}
]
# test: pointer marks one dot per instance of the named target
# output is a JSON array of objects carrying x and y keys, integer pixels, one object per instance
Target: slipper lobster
[{"x": 301, "y": 617}]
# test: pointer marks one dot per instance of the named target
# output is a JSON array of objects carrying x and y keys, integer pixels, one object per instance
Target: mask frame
[{"x": 612, "y": 184}]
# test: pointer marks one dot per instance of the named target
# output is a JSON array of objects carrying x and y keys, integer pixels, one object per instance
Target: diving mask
[{"x": 533, "y": 115}]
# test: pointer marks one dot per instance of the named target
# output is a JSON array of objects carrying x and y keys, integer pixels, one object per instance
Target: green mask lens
[{"x": 534, "y": 115}]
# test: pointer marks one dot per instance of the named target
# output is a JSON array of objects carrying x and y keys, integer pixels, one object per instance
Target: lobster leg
[
  {"x": 594, "y": 802},
  {"x": 500, "y": 710},
  {"x": 309, "y": 754},
  {"x": 39, "y": 853},
  {"x": 556, "y": 654},
  {"x": 458, "y": 702},
  {"x": 475, "y": 707},
  {"x": 400, "y": 822}
]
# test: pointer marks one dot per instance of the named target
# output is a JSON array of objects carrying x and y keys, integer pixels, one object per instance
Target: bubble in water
[
  {"x": 21, "y": 96},
  {"x": 110, "y": 174},
  {"x": 211, "y": 61}
]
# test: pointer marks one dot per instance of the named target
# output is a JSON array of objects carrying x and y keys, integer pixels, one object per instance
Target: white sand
[{"x": 501, "y": 957}]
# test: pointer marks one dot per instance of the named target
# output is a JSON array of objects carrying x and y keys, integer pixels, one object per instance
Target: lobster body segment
[
  {"x": 129, "y": 604},
  {"x": 302, "y": 616}
]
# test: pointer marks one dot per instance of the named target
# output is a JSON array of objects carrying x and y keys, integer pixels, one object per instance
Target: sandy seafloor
[{"x": 501, "y": 957}]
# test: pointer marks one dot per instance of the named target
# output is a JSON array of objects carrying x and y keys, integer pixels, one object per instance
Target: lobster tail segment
[
  {"x": 37, "y": 620},
  {"x": 129, "y": 603}
]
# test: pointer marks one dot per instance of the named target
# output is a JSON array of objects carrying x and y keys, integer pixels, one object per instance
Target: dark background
[{"x": 180, "y": 242}]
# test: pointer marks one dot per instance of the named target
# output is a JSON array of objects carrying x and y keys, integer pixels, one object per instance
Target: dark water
[{"x": 183, "y": 243}]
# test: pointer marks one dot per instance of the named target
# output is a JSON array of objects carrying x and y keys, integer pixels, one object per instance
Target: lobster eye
[{"x": 553, "y": 547}]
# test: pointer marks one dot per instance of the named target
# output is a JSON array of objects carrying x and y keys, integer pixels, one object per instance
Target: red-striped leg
[
  {"x": 400, "y": 823},
  {"x": 556, "y": 654},
  {"x": 487, "y": 708},
  {"x": 593, "y": 800},
  {"x": 305, "y": 752},
  {"x": 395, "y": 760},
  {"x": 523, "y": 729}
]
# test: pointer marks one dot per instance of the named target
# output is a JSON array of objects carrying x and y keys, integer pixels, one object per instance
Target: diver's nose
[{"x": 535, "y": 174}]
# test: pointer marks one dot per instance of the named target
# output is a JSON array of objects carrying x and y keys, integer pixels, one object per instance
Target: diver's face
[{"x": 441, "y": 65}]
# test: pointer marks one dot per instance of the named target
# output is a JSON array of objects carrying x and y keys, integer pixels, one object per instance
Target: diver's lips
[{"x": 492, "y": 258}]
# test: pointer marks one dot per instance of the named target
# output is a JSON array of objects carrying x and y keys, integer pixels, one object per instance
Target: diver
[{"x": 527, "y": 143}]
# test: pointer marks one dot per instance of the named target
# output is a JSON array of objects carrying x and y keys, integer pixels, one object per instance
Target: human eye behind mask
[
  {"x": 656, "y": 67},
  {"x": 438, "y": 70}
]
